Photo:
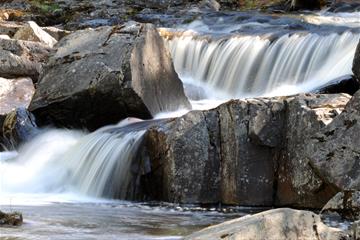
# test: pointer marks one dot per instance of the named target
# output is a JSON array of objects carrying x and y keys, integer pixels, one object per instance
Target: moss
[{"x": 44, "y": 6}]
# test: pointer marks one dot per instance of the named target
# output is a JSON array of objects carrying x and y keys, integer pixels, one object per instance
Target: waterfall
[
  {"x": 57, "y": 161},
  {"x": 250, "y": 66}
]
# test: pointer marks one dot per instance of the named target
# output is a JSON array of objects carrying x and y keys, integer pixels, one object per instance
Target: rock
[
  {"x": 306, "y": 4},
  {"x": 56, "y": 33},
  {"x": 11, "y": 219},
  {"x": 298, "y": 183},
  {"x": 274, "y": 224},
  {"x": 184, "y": 159},
  {"x": 355, "y": 230},
  {"x": 22, "y": 58},
  {"x": 349, "y": 86},
  {"x": 19, "y": 126},
  {"x": 356, "y": 63},
  {"x": 10, "y": 28},
  {"x": 345, "y": 204},
  {"x": 4, "y": 36},
  {"x": 248, "y": 152},
  {"x": 32, "y": 32},
  {"x": 100, "y": 76},
  {"x": 15, "y": 93},
  {"x": 334, "y": 151},
  {"x": 210, "y": 4},
  {"x": 249, "y": 130}
]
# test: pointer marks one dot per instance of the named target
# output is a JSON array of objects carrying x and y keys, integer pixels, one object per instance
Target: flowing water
[
  {"x": 239, "y": 56},
  {"x": 65, "y": 182}
]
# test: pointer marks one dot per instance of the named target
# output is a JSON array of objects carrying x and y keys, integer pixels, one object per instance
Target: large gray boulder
[
  {"x": 245, "y": 152},
  {"x": 334, "y": 152},
  {"x": 100, "y": 76},
  {"x": 278, "y": 224}
]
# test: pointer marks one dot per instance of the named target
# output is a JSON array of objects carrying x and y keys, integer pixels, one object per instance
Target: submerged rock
[
  {"x": 275, "y": 224},
  {"x": 245, "y": 152},
  {"x": 99, "y": 76},
  {"x": 11, "y": 219}
]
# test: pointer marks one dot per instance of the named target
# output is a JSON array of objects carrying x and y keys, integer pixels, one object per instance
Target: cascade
[
  {"x": 251, "y": 66},
  {"x": 97, "y": 164}
]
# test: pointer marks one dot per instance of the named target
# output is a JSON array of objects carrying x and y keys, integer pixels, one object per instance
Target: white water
[
  {"x": 64, "y": 165},
  {"x": 251, "y": 66}
]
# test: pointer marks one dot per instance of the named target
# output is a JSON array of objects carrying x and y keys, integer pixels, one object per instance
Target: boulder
[
  {"x": 298, "y": 183},
  {"x": 334, "y": 151},
  {"x": 244, "y": 152},
  {"x": 18, "y": 127},
  {"x": 22, "y": 58},
  {"x": 15, "y": 93},
  {"x": 356, "y": 63},
  {"x": 344, "y": 204},
  {"x": 100, "y": 76},
  {"x": 32, "y": 32},
  {"x": 277, "y": 224},
  {"x": 184, "y": 160},
  {"x": 249, "y": 132}
]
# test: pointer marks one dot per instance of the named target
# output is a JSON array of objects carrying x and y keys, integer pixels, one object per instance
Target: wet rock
[
  {"x": 184, "y": 160},
  {"x": 11, "y": 219},
  {"x": 22, "y": 58},
  {"x": 100, "y": 76},
  {"x": 15, "y": 93},
  {"x": 334, "y": 151},
  {"x": 18, "y": 126},
  {"x": 245, "y": 152},
  {"x": 275, "y": 224},
  {"x": 345, "y": 204},
  {"x": 356, "y": 63},
  {"x": 349, "y": 86},
  {"x": 32, "y": 32},
  {"x": 306, "y": 4}
]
